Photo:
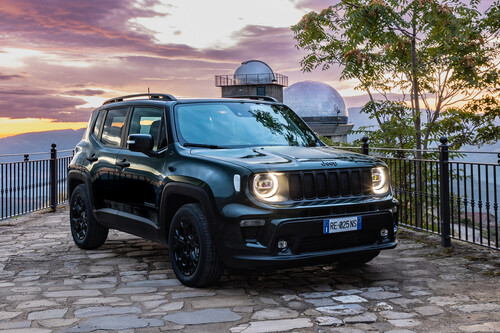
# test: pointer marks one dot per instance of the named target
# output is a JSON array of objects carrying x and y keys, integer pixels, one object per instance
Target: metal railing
[
  {"x": 442, "y": 193},
  {"x": 249, "y": 79},
  {"x": 28, "y": 185}
]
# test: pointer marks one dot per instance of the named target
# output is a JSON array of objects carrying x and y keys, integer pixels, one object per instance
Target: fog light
[
  {"x": 384, "y": 232},
  {"x": 252, "y": 223},
  {"x": 394, "y": 209},
  {"x": 282, "y": 244}
]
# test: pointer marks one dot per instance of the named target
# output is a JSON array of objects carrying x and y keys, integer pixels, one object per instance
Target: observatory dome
[
  {"x": 314, "y": 99},
  {"x": 254, "y": 72}
]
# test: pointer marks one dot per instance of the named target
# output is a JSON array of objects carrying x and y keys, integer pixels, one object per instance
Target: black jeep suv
[{"x": 240, "y": 183}]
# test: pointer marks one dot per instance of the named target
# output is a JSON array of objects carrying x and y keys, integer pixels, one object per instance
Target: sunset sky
[{"x": 59, "y": 59}]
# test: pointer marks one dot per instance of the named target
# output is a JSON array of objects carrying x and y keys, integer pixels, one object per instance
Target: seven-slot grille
[{"x": 324, "y": 184}]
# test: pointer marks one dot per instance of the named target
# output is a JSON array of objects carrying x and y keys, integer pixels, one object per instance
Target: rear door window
[{"x": 113, "y": 126}]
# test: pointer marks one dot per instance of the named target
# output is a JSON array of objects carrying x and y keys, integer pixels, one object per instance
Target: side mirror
[{"x": 142, "y": 143}]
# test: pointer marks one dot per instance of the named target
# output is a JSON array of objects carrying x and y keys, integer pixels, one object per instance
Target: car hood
[{"x": 288, "y": 157}]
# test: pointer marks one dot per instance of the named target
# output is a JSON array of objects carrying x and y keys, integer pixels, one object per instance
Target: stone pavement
[{"x": 47, "y": 284}]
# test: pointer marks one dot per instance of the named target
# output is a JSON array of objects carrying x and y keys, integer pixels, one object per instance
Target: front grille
[
  {"x": 330, "y": 184},
  {"x": 336, "y": 241}
]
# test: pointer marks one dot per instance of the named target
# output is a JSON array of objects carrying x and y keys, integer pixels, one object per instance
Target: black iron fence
[
  {"x": 438, "y": 190},
  {"x": 450, "y": 193},
  {"x": 30, "y": 182}
]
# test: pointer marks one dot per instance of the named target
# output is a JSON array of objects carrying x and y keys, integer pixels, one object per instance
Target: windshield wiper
[{"x": 202, "y": 145}]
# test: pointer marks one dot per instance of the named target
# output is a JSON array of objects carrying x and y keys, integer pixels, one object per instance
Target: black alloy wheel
[
  {"x": 79, "y": 219},
  {"x": 86, "y": 231},
  {"x": 192, "y": 252},
  {"x": 186, "y": 246}
]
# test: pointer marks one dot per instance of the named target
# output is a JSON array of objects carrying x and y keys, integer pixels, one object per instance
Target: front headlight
[
  {"x": 265, "y": 185},
  {"x": 380, "y": 180}
]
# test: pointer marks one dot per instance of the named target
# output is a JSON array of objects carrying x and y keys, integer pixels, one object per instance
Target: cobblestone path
[{"x": 47, "y": 284}]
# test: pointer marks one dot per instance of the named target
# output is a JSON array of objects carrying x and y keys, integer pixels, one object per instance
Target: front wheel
[
  {"x": 192, "y": 252},
  {"x": 86, "y": 231}
]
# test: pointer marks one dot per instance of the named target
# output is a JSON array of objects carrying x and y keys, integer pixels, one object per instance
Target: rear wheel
[
  {"x": 86, "y": 232},
  {"x": 355, "y": 260},
  {"x": 192, "y": 252}
]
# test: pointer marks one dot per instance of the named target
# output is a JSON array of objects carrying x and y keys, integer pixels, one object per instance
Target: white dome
[
  {"x": 254, "y": 72},
  {"x": 314, "y": 99}
]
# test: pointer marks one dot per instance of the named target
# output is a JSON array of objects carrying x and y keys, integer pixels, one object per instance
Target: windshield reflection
[{"x": 226, "y": 125}]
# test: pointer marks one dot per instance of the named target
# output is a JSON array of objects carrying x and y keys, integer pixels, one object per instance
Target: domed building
[
  {"x": 252, "y": 78},
  {"x": 321, "y": 107}
]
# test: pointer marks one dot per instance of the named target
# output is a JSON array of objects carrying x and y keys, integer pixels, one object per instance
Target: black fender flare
[
  {"x": 194, "y": 192},
  {"x": 81, "y": 176}
]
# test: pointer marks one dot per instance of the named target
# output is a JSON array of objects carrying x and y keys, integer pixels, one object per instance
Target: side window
[
  {"x": 113, "y": 125},
  {"x": 149, "y": 121},
  {"x": 98, "y": 123}
]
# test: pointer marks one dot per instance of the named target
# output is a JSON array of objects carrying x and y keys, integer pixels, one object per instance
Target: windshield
[{"x": 239, "y": 125}]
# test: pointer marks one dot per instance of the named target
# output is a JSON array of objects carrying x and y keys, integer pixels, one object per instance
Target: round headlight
[
  {"x": 265, "y": 185},
  {"x": 379, "y": 180}
]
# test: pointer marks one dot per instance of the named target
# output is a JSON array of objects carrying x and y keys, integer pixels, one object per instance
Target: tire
[
  {"x": 191, "y": 249},
  {"x": 86, "y": 231},
  {"x": 356, "y": 260}
]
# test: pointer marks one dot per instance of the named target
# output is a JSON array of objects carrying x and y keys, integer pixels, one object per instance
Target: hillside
[{"x": 40, "y": 141}]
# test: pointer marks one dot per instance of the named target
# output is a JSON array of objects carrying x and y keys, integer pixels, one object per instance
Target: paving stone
[
  {"x": 205, "y": 316},
  {"x": 350, "y": 291},
  {"x": 404, "y": 302},
  {"x": 320, "y": 301},
  {"x": 47, "y": 314},
  {"x": 97, "y": 300},
  {"x": 400, "y": 331},
  {"x": 382, "y": 306},
  {"x": 134, "y": 290},
  {"x": 96, "y": 311},
  {"x": 171, "y": 306},
  {"x": 8, "y": 315},
  {"x": 429, "y": 310},
  {"x": 114, "y": 323},
  {"x": 274, "y": 313},
  {"x": 27, "y": 330},
  {"x": 468, "y": 308},
  {"x": 484, "y": 327},
  {"x": 328, "y": 321},
  {"x": 350, "y": 299},
  {"x": 40, "y": 303},
  {"x": 380, "y": 295},
  {"x": 366, "y": 317},
  {"x": 51, "y": 323},
  {"x": 221, "y": 302},
  {"x": 397, "y": 315},
  {"x": 190, "y": 294},
  {"x": 344, "y": 309},
  {"x": 405, "y": 322},
  {"x": 448, "y": 300},
  {"x": 14, "y": 324},
  {"x": 272, "y": 326},
  {"x": 318, "y": 294},
  {"x": 154, "y": 283},
  {"x": 72, "y": 293}
]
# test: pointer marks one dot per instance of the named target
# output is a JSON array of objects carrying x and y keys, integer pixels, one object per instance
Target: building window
[{"x": 261, "y": 91}]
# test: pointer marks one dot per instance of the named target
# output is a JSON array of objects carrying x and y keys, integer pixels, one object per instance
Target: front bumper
[{"x": 306, "y": 242}]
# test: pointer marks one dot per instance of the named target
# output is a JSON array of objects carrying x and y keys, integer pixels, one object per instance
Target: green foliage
[{"x": 438, "y": 57}]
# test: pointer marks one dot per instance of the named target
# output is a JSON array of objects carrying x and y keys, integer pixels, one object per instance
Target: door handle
[
  {"x": 123, "y": 163},
  {"x": 91, "y": 158}
]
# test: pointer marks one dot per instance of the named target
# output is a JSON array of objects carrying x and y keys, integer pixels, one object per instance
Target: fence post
[
  {"x": 53, "y": 177},
  {"x": 444, "y": 185},
  {"x": 364, "y": 146}
]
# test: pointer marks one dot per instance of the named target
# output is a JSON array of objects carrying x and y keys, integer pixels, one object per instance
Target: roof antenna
[{"x": 148, "y": 90}]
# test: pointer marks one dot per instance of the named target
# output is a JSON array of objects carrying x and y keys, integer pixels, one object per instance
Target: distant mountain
[{"x": 39, "y": 142}]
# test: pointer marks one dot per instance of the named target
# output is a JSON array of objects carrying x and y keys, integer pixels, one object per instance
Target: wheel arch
[{"x": 177, "y": 194}]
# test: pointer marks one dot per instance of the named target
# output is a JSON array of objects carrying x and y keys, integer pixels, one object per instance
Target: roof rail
[
  {"x": 167, "y": 97},
  {"x": 260, "y": 98}
]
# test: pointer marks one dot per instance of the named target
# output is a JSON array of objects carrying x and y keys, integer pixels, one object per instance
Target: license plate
[{"x": 341, "y": 224}]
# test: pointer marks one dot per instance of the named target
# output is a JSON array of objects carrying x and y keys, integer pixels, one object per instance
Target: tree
[{"x": 440, "y": 57}]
